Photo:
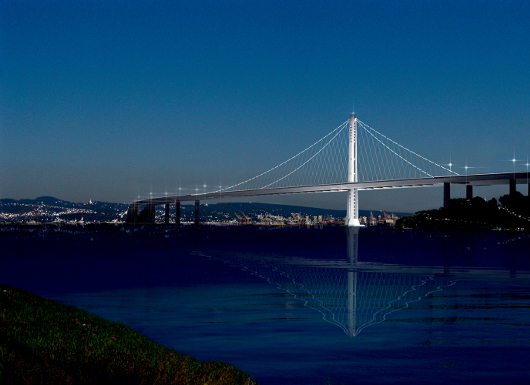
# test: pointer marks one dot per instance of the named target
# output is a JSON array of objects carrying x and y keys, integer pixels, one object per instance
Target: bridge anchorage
[{"x": 350, "y": 158}]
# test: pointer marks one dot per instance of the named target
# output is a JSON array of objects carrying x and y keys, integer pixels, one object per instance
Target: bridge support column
[
  {"x": 197, "y": 213},
  {"x": 147, "y": 215},
  {"x": 353, "y": 245},
  {"x": 513, "y": 189},
  {"x": 447, "y": 194},
  {"x": 352, "y": 218},
  {"x": 132, "y": 214},
  {"x": 166, "y": 214},
  {"x": 528, "y": 198},
  {"x": 469, "y": 192},
  {"x": 177, "y": 213}
]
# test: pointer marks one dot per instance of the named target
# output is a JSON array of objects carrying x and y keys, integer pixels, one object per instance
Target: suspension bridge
[{"x": 350, "y": 158}]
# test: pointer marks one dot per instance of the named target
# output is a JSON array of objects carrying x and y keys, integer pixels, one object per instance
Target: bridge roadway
[{"x": 508, "y": 178}]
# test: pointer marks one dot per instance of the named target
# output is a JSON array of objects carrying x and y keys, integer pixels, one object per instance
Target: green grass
[{"x": 45, "y": 342}]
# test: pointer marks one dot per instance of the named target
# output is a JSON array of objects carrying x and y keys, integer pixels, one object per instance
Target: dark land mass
[
  {"x": 510, "y": 212},
  {"x": 49, "y": 209},
  {"x": 45, "y": 342}
]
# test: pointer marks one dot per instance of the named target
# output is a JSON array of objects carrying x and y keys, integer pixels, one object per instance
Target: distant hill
[
  {"x": 51, "y": 209},
  {"x": 285, "y": 210}
]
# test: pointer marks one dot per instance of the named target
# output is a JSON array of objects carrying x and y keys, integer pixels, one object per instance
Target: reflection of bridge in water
[{"x": 351, "y": 295}]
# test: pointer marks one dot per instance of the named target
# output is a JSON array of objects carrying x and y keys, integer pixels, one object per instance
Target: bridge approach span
[{"x": 507, "y": 178}]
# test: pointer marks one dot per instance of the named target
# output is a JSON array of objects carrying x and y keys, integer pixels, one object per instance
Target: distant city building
[{"x": 372, "y": 221}]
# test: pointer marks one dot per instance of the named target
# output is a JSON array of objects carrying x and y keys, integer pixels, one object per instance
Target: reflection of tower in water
[
  {"x": 351, "y": 295},
  {"x": 353, "y": 253},
  {"x": 373, "y": 295}
]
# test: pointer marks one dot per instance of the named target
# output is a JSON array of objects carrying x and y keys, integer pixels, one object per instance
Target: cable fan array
[
  {"x": 326, "y": 162},
  {"x": 381, "y": 158}
]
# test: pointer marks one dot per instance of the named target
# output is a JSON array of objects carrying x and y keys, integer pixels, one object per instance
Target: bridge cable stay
[
  {"x": 275, "y": 173},
  {"x": 398, "y": 150},
  {"x": 304, "y": 163},
  {"x": 326, "y": 161}
]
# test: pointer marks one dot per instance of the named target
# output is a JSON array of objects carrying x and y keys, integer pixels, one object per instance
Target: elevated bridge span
[{"x": 507, "y": 178}]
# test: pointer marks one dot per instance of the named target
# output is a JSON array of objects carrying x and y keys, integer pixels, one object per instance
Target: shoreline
[{"x": 44, "y": 341}]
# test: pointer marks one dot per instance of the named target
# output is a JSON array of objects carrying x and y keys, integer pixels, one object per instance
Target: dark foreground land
[
  {"x": 44, "y": 342},
  {"x": 510, "y": 212}
]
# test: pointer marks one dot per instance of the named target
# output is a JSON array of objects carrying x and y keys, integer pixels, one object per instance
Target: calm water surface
[{"x": 301, "y": 305}]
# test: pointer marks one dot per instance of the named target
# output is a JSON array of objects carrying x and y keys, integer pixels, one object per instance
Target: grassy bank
[{"x": 44, "y": 342}]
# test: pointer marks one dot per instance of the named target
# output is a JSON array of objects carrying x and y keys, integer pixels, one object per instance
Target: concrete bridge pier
[
  {"x": 132, "y": 214},
  {"x": 513, "y": 189},
  {"x": 177, "y": 213},
  {"x": 447, "y": 194},
  {"x": 147, "y": 215},
  {"x": 469, "y": 192},
  {"x": 197, "y": 213}
]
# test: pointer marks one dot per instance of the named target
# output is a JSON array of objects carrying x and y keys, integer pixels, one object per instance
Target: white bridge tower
[{"x": 352, "y": 219}]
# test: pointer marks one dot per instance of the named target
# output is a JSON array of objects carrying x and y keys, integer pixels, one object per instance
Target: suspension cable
[
  {"x": 365, "y": 126},
  {"x": 340, "y": 128}
]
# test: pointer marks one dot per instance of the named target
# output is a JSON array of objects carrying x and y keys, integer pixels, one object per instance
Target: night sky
[{"x": 110, "y": 100}]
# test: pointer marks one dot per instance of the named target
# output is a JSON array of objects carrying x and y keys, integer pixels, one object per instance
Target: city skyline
[{"x": 116, "y": 100}]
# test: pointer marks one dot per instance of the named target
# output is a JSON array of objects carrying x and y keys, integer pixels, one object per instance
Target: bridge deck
[{"x": 473, "y": 180}]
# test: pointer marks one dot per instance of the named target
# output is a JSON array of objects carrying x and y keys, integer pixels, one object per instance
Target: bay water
[{"x": 299, "y": 305}]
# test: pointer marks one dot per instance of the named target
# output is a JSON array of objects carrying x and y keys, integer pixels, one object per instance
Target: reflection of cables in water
[
  {"x": 391, "y": 307},
  {"x": 306, "y": 302},
  {"x": 325, "y": 290},
  {"x": 398, "y": 283},
  {"x": 327, "y": 314}
]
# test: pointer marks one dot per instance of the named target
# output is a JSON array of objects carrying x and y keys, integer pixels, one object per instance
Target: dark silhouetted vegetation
[{"x": 510, "y": 212}]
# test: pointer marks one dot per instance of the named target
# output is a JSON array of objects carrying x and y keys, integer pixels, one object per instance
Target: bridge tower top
[{"x": 352, "y": 153}]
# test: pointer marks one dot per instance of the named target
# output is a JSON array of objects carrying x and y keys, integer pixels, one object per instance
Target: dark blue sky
[{"x": 108, "y": 100}]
